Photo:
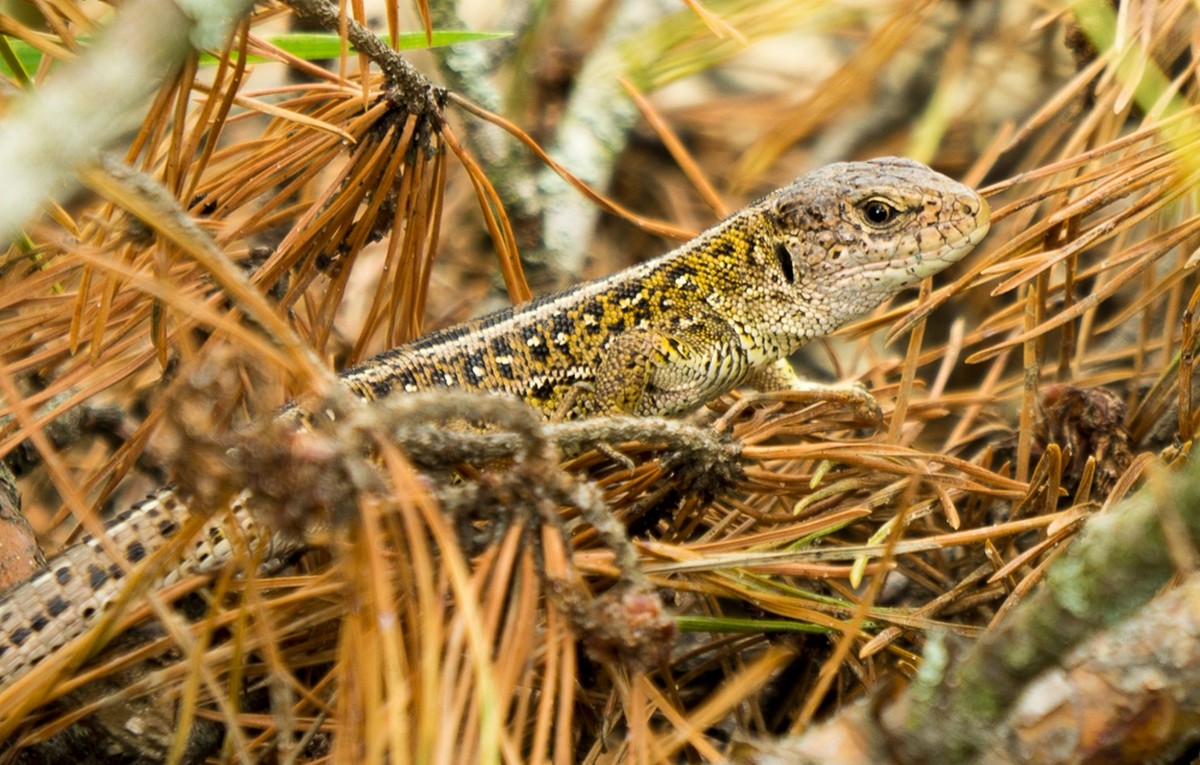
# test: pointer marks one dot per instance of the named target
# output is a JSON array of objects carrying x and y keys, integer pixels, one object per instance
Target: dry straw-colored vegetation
[{"x": 618, "y": 590}]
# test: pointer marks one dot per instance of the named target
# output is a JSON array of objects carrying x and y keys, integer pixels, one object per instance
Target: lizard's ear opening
[{"x": 784, "y": 255}]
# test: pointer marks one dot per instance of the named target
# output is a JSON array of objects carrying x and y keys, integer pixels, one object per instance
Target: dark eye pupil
[{"x": 878, "y": 212}]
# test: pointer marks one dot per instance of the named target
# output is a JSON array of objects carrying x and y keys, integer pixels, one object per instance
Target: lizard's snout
[{"x": 975, "y": 207}]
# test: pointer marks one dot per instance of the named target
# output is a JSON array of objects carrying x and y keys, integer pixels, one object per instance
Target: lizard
[{"x": 663, "y": 337}]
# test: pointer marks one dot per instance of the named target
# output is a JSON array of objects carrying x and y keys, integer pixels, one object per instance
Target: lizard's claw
[
  {"x": 864, "y": 402},
  {"x": 853, "y": 394}
]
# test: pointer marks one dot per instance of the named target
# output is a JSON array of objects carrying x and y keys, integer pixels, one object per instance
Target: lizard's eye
[{"x": 878, "y": 212}]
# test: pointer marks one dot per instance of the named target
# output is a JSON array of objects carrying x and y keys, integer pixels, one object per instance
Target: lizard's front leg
[
  {"x": 653, "y": 371},
  {"x": 779, "y": 375}
]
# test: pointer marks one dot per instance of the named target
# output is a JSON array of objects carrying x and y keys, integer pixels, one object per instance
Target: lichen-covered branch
[
  {"x": 963, "y": 699},
  {"x": 411, "y": 88},
  {"x": 1116, "y": 566}
]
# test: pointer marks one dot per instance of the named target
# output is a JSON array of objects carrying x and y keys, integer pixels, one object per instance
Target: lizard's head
[{"x": 856, "y": 233}]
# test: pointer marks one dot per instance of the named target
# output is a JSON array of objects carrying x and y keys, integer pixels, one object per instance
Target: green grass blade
[{"x": 309, "y": 46}]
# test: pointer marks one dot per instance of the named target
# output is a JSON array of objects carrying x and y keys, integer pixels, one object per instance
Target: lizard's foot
[
  {"x": 779, "y": 376},
  {"x": 853, "y": 394}
]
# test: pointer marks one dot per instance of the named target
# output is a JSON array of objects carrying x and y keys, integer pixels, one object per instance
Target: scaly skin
[
  {"x": 672, "y": 333},
  {"x": 663, "y": 337}
]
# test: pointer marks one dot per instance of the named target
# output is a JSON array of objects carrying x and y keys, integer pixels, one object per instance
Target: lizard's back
[{"x": 549, "y": 349}]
